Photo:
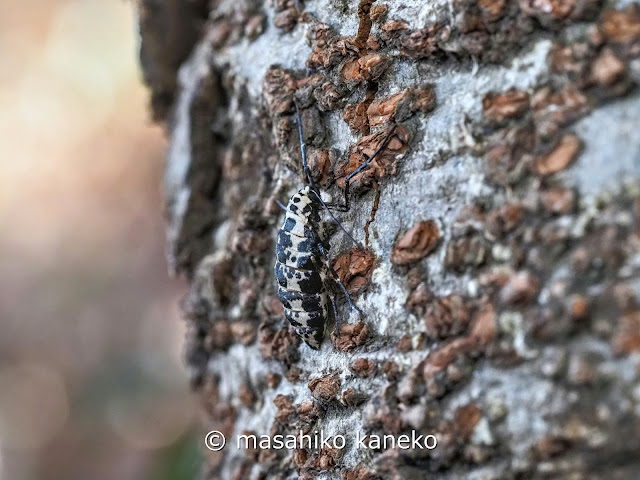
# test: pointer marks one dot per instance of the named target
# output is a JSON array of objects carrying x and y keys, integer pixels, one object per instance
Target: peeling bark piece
[
  {"x": 324, "y": 388},
  {"x": 320, "y": 34},
  {"x": 279, "y": 86},
  {"x": 558, "y": 200},
  {"x": 373, "y": 43},
  {"x": 384, "y": 164},
  {"x": 493, "y": 10},
  {"x": 363, "y": 367},
  {"x": 550, "y": 446},
  {"x": 368, "y": 67},
  {"x": 560, "y": 157},
  {"x": 391, "y": 370},
  {"x": 360, "y": 473},
  {"x": 421, "y": 43},
  {"x": 320, "y": 164},
  {"x": 551, "y": 13},
  {"x": 627, "y": 338},
  {"x": 287, "y": 19},
  {"x": 219, "y": 337},
  {"x": 607, "y": 69},
  {"x": 305, "y": 408},
  {"x": 378, "y": 12},
  {"x": 446, "y": 317},
  {"x": 504, "y": 219},
  {"x": 329, "y": 97},
  {"x": 499, "y": 107},
  {"x": 520, "y": 290},
  {"x": 578, "y": 307},
  {"x": 465, "y": 252},
  {"x": 394, "y": 26},
  {"x": 355, "y": 115},
  {"x": 243, "y": 332},
  {"x": 405, "y": 344},
  {"x": 621, "y": 26},
  {"x": 418, "y": 299},
  {"x": 300, "y": 457},
  {"x": 273, "y": 380},
  {"x": 279, "y": 345},
  {"x": 482, "y": 333},
  {"x": 547, "y": 10},
  {"x": 350, "y": 336},
  {"x": 381, "y": 111},
  {"x": 364, "y": 25},
  {"x": 401, "y": 105},
  {"x": 440, "y": 358},
  {"x": 255, "y": 26},
  {"x": 271, "y": 304},
  {"x": 285, "y": 412},
  {"x": 326, "y": 459},
  {"x": 553, "y": 110},
  {"x": 351, "y": 398},
  {"x": 246, "y": 396},
  {"x": 416, "y": 243},
  {"x": 331, "y": 54},
  {"x": 354, "y": 269},
  {"x": 219, "y": 33},
  {"x": 465, "y": 420},
  {"x": 420, "y": 99}
]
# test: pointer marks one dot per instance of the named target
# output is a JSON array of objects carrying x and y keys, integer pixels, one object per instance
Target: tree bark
[{"x": 502, "y": 229}]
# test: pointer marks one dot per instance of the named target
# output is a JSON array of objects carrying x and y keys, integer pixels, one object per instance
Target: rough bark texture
[{"x": 502, "y": 224}]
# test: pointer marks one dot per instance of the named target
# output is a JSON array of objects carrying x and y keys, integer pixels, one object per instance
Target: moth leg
[
  {"x": 324, "y": 255},
  {"x": 346, "y": 206},
  {"x": 336, "y": 322}
]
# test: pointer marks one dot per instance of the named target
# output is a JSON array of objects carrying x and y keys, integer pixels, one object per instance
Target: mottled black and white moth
[{"x": 302, "y": 266}]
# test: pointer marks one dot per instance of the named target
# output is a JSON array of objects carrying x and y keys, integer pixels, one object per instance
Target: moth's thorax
[{"x": 304, "y": 204}]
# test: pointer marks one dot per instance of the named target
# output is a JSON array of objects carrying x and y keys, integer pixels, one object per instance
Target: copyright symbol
[{"x": 214, "y": 440}]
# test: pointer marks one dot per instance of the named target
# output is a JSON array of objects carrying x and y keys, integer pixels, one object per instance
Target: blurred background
[{"x": 91, "y": 377}]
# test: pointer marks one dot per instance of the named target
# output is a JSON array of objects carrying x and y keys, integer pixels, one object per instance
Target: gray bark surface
[{"x": 500, "y": 283}]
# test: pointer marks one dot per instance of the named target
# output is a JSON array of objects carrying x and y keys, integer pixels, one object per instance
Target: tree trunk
[{"x": 501, "y": 222}]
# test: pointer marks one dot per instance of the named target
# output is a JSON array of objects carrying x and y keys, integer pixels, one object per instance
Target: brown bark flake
[
  {"x": 621, "y": 27},
  {"x": 369, "y": 67},
  {"x": 416, "y": 243},
  {"x": 498, "y": 107},
  {"x": 324, "y": 388},
  {"x": 354, "y": 269},
  {"x": 351, "y": 336},
  {"x": 560, "y": 157},
  {"x": 364, "y": 26}
]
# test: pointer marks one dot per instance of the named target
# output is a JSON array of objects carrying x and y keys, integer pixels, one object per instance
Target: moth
[{"x": 302, "y": 269}]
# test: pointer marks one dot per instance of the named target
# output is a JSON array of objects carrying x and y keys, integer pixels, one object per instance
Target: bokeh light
[{"x": 92, "y": 383}]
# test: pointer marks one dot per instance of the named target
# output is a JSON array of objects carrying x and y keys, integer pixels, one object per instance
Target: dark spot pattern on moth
[
  {"x": 302, "y": 302},
  {"x": 300, "y": 270}
]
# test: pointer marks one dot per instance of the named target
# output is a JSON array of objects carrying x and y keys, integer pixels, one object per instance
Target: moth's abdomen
[
  {"x": 300, "y": 271},
  {"x": 308, "y": 314},
  {"x": 294, "y": 251},
  {"x": 294, "y": 280},
  {"x": 305, "y": 302},
  {"x": 301, "y": 302}
]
